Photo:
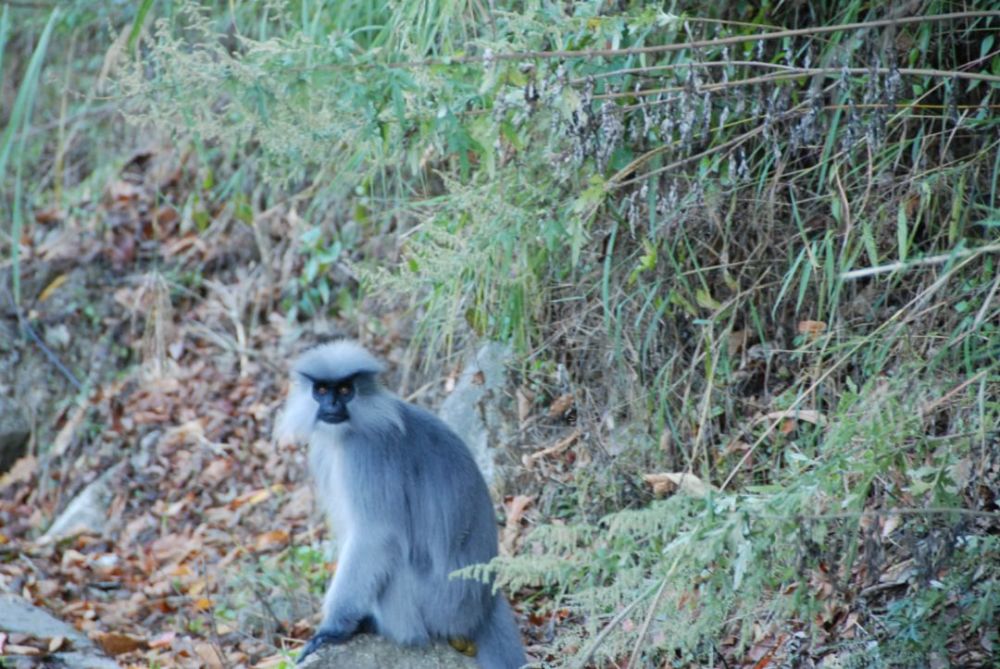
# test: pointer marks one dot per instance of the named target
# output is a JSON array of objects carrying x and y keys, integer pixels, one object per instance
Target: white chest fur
[{"x": 326, "y": 460}]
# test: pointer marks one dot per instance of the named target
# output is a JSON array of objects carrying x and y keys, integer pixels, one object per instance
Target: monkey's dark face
[{"x": 333, "y": 398}]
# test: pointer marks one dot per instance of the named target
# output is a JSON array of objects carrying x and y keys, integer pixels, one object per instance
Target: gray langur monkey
[{"x": 409, "y": 506}]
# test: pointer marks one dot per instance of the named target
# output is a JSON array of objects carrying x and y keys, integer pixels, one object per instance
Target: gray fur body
[{"x": 409, "y": 506}]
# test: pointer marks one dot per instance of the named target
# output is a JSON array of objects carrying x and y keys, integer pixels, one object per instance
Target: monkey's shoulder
[
  {"x": 431, "y": 436},
  {"x": 416, "y": 452}
]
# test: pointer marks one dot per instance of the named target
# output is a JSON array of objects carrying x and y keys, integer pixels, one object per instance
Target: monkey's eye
[
  {"x": 344, "y": 390},
  {"x": 321, "y": 389}
]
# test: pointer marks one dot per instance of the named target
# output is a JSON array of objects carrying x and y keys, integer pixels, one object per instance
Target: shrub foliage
[{"x": 766, "y": 234}]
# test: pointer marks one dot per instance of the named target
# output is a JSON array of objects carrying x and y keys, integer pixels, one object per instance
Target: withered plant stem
[{"x": 697, "y": 44}]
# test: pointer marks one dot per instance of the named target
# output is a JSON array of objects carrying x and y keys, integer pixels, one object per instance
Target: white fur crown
[{"x": 337, "y": 360}]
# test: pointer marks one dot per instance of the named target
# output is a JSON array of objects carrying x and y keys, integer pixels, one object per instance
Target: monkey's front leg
[{"x": 364, "y": 568}]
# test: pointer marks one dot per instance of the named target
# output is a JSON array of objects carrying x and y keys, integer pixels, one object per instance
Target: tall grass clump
[
  {"x": 55, "y": 131},
  {"x": 14, "y": 138},
  {"x": 767, "y": 237}
]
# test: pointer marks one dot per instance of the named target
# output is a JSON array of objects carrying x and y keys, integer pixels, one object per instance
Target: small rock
[
  {"x": 87, "y": 512},
  {"x": 471, "y": 409},
  {"x": 367, "y": 651},
  {"x": 57, "y": 336},
  {"x": 20, "y": 617}
]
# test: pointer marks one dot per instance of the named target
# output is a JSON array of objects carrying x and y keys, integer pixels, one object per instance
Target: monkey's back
[{"x": 434, "y": 487}]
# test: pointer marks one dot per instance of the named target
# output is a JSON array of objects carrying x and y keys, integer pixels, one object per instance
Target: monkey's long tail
[{"x": 498, "y": 643}]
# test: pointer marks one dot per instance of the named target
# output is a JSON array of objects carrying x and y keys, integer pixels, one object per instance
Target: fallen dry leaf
[
  {"x": 216, "y": 471},
  {"x": 52, "y": 287},
  {"x": 48, "y": 587},
  {"x": 524, "y": 400},
  {"x": 21, "y": 472},
  {"x": 173, "y": 547},
  {"x": 272, "y": 540},
  {"x": 561, "y": 405},
  {"x": 181, "y": 570},
  {"x": 123, "y": 191},
  {"x": 899, "y": 572},
  {"x": 208, "y": 655},
  {"x": 176, "y": 247},
  {"x": 890, "y": 525},
  {"x": 764, "y": 652},
  {"x": 811, "y": 328},
  {"x": 21, "y": 649},
  {"x": 114, "y": 643},
  {"x": 49, "y": 216},
  {"x": 666, "y": 440},
  {"x": 219, "y": 515},
  {"x": 737, "y": 342},
  {"x": 256, "y": 496},
  {"x": 65, "y": 436},
  {"x": 451, "y": 380},
  {"x": 737, "y": 446},
  {"x": 56, "y": 642},
  {"x": 73, "y": 558},
  {"x": 689, "y": 484},
  {"x": 163, "y": 640},
  {"x": 165, "y": 215},
  {"x": 512, "y": 528},
  {"x": 175, "y": 509}
]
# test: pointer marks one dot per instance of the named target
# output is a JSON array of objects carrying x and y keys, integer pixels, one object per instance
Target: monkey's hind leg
[{"x": 397, "y": 615}]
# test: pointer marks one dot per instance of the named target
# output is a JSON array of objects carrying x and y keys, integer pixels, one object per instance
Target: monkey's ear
[{"x": 297, "y": 417}]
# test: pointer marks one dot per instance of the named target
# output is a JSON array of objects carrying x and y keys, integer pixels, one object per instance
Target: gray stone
[
  {"x": 14, "y": 433},
  {"x": 472, "y": 411},
  {"x": 88, "y": 511},
  {"x": 367, "y": 651},
  {"x": 78, "y": 660},
  {"x": 58, "y": 336},
  {"x": 17, "y": 616}
]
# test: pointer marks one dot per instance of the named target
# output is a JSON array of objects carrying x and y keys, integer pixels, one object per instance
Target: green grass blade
[
  {"x": 20, "y": 116},
  {"x": 4, "y": 30},
  {"x": 140, "y": 19},
  {"x": 25, "y": 95}
]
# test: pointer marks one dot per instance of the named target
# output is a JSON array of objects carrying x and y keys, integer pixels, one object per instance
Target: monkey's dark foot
[
  {"x": 320, "y": 638},
  {"x": 464, "y": 646}
]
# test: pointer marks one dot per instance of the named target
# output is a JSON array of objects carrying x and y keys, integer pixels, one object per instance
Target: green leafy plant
[{"x": 768, "y": 232}]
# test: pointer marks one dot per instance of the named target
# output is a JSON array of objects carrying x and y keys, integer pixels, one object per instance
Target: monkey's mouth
[{"x": 334, "y": 416}]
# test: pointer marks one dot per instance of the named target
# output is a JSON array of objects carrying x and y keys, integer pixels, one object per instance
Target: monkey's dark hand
[{"x": 322, "y": 636}]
